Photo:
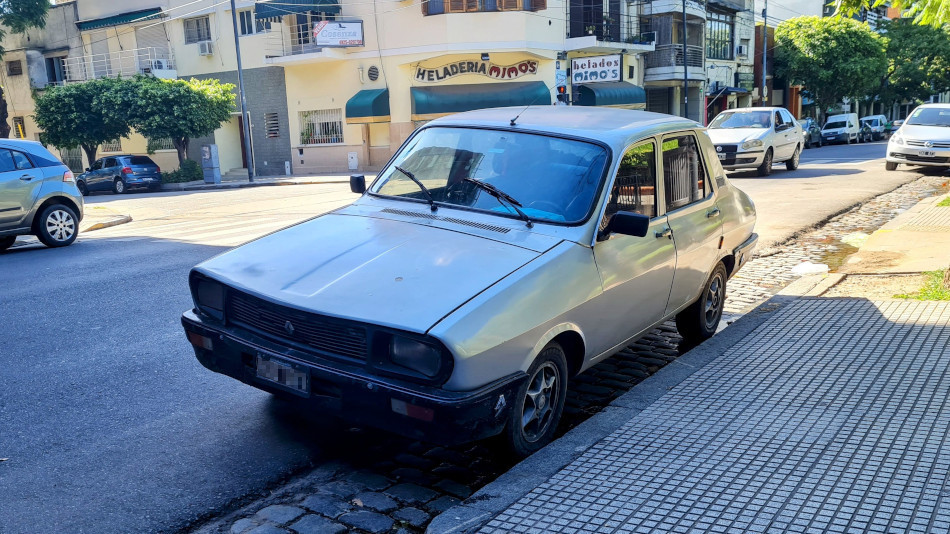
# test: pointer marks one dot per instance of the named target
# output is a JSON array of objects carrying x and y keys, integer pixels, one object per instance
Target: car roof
[{"x": 611, "y": 125}]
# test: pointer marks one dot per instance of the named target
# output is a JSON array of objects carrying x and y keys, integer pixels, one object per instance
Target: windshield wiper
[
  {"x": 425, "y": 191},
  {"x": 499, "y": 196}
]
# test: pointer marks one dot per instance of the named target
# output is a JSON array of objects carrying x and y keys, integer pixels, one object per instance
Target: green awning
[
  {"x": 615, "y": 94},
  {"x": 432, "y": 102},
  {"x": 368, "y": 105},
  {"x": 271, "y": 9},
  {"x": 122, "y": 18}
]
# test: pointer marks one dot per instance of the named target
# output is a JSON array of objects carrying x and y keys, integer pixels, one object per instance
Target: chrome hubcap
[
  {"x": 715, "y": 296},
  {"x": 60, "y": 225},
  {"x": 119, "y": 186},
  {"x": 542, "y": 394}
]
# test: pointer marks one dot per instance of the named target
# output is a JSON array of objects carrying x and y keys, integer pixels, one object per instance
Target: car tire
[
  {"x": 57, "y": 226},
  {"x": 700, "y": 320},
  {"x": 792, "y": 163},
  {"x": 821, "y": 142},
  {"x": 7, "y": 242},
  {"x": 118, "y": 186},
  {"x": 890, "y": 166},
  {"x": 540, "y": 400},
  {"x": 766, "y": 168},
  {"x": 81, "y": 186}
]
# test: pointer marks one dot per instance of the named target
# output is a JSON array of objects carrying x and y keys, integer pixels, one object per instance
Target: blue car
[{"x": 119, "y": 174}]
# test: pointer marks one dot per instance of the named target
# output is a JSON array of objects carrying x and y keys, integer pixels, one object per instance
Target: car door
[
  {"x": 110, "y": 169},
  {"x": 780, "y": 138},
  {"x": 20, "y": 185},
  {"x": 636, "y": 272},
  {"x": 793, "y": 132},
  {"x": 94, "y": 176},
  {"x": 692, "y": 214}
]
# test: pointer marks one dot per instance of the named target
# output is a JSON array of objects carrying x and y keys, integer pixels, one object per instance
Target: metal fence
[
  {"x": 122, "y": 63},
  {"x": 671, "y": 55},
  {"x": 616, "y": 28}
]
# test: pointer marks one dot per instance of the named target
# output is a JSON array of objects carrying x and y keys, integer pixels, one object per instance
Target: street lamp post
[
  {"x": 244, "y": 121},
  {"x": 685, "y": 72},
  {"x": 765, "y": 44}
]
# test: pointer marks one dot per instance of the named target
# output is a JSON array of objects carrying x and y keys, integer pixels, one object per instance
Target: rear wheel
[
  {"x": 766, "y": 168},
  {"x": 58, "y": 226},
  {"x": 792, "y": 164},
  {"x": 7, "y": 242},
  {"x": 700, "y": 320},
  {"x": 118, "y": 186},
  {"x": 890, "y": 166},
  {"x": 539, "y": 403}
]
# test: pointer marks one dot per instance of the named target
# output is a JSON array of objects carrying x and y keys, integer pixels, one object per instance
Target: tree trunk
[
  {"x": 90, "y": 151},
  {"x": 4, "y": 126},
  {"x": 181, "y": 145}
]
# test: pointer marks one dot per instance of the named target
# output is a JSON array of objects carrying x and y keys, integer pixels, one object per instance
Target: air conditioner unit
[
  {"x": 742, "y": 50},
  {"x": 205, "y": 48}
]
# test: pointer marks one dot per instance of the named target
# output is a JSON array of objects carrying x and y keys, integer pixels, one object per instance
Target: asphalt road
[{"x": 108, "y": 422}]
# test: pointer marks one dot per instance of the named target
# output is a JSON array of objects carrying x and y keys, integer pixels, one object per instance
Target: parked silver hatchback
[
  {"x": 38, "y": 195},
  {"x": 500, "y": 253}
]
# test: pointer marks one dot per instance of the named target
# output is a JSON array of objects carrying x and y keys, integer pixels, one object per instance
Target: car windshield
[
  {"x": 745, "y": 119},
  {"x": 930, "y": 117},
  {"x": 554, "y": 179},
  {"x": 835, "y": 125}
]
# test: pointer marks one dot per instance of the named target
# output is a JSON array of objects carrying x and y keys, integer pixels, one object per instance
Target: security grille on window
[
  {"x": 14, "y": 68},
  {"x": 719, "y": 28},
  {"x": 635, "y": 186},
  {"x": 321, "y": 127},
  {"x": 112, "y": 146},
  {"x": 164, "y": 143},
  {"x": 19, "y": 128},
  {"x": 271, "y": 125},
  {"x": 683, "y": 172},
  {"x": 197, "y": 29}
]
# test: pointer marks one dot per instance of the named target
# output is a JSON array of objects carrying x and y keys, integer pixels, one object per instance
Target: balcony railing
[
  {"x": 671, "y": 55},
  {"x": 114, "y": 64},
  {"x": 616, "y": 29},
  {"x": 286, "y": 40}
]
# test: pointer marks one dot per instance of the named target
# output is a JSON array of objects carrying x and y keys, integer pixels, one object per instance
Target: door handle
[
  {"x": 713, "y": 213},
  {"x": 26, "y": 177},
  {"x": 665, "y": 232}
]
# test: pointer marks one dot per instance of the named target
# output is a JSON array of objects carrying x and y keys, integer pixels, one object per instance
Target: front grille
[
  {"x": 936, "y": 144},
  {"x": 332, "y": 336},
  {"x": 727, "y": 148},
  {"x": 922, "y": 159}
]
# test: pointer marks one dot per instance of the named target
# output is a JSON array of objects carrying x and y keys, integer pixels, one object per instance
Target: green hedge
[{"x": 188, "y": 172}]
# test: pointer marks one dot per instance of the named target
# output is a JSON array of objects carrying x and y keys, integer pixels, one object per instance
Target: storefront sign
[
  {"x": 332, "y": 33},
  {"x": 595, "y": 69},
  {"x": 484, "y": 68}
]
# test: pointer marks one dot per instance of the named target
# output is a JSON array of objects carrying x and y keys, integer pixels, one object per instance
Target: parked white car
[
  {"x": 497, "y": 255},
  {"x": 923, "y": 139},
  {"x": 841, "y": 128},
  {"x": 877, "y": 124},
  {"x": 756, "y": 138}
]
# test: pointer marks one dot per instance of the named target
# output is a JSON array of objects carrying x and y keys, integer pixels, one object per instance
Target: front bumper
[
  {"x": 914, "y": 155},
  {"x": 741, "y": 160},
  {"x": 836, "y": 138},
  {"x": 421, "y": 412}
]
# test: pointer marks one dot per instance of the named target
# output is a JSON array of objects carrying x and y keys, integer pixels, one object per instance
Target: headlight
[
  {"x": 897, "y": 139},
  {"x": 208, "y": 295},
  {"x": 415, "y": 355},
  {"x": 751, "y": 144}
]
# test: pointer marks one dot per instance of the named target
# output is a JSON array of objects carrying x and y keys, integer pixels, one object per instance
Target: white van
[
  {"x": 842, "y": 128},
  {"x": 877, "y": 123}
]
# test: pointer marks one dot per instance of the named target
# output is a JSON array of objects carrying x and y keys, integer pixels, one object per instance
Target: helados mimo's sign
[{"x": 595, "y": 69}]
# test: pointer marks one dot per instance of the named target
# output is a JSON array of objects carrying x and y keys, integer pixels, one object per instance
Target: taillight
[
  {"x": 126, "y": 170},
  {"x": 68, "y": 176},
  {"x": 158, "y": 169}
]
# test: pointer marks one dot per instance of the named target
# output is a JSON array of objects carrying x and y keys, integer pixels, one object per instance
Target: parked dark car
[
  {"x": 38, "y": 195},
  {"x": 812, "y": 132},
  {"x": 119, "y": 174},
  {"x": 865, "y": 133}
]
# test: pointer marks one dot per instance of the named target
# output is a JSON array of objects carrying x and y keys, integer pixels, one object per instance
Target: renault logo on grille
[{"x": 289, "y": 327}]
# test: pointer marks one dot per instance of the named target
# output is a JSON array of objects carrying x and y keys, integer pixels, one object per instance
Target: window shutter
[
  {"x": 456, "y": 6},
  {"x": 434, "y": 7},
  {"x": 471, "y": 5},
  {"x": 511, "y": 5},
  {"x": 538, "y": 5},
  {"x": 271, "y": 125}
]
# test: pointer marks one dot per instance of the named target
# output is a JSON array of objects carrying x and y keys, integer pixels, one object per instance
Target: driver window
[
  {"x": 634, "y": 188},
  {"x": 779, "y": 123}
]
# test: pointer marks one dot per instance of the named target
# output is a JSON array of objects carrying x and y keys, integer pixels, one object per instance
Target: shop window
[
  {"x": 15, "y": 67},
  {"x": 684, "y": 174},
  {"x": 321, "y": 127},
  {"x": 719, "y": 28},
  {"x": 271, "y": 125},
  {"x": 197, "y": 29},
  {"x": 19, "y": 128},
  {"x": 635, "y": 186},
  {"x": 111, "y": 146}
]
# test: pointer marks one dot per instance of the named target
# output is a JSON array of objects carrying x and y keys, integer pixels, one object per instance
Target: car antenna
[{"x": 535, "y": 99}]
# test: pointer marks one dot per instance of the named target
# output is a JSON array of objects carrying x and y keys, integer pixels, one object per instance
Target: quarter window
[
  {"x": 684, "y": 173},
  {"x": 22, "y": 162},
  {"x": 197, "y": 29},
  {"x": 635, "y": 185}
]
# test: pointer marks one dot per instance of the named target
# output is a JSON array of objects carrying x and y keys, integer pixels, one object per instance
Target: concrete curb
[
  {"x": 241, "y": 185},
  {"x": 507, "y": 489},
  {"x": 115, "y": 221}
]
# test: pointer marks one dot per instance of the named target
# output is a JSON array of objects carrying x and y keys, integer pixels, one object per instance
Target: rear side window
[
  {"x": 110, "y": 162},
  {"x": 6, "y": 161},
  {"x": 21, "y": 161},
  {"x": 684, "y": 174},
  {"x": 39, "y": 156},
  {"x": 139, "y": 160}
]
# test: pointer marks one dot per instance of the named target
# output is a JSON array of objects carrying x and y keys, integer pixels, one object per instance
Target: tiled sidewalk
[{"x": 831, "y": 416}]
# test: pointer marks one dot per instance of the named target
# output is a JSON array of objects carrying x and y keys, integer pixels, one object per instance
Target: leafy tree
[
  {"x": 180, "y": 109},
  {"x": 85, "y": 114},
  {"x": 918, "y": 61},
  {"x": 833, "y": 58},
  {"x": 935, "y": 13},
  {"x": 18, "y": 16}
]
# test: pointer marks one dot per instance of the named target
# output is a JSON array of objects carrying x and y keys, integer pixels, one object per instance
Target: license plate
[
  {"x": 722, "y": 156},
  {"x": 927, "y": 153},
  {"x": 283, "y": 373}
]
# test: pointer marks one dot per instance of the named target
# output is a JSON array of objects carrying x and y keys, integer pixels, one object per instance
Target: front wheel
[
  {"x": 7, "y": 242},
  {"x": 539, "y": 403},
  {"x": 700, "y": 320},
  {"x": 766, "y": 168},
  {"x": 792, "y": 164},
  {"x": 58, "y": 226},
  {"x": 890, "y": 166}
]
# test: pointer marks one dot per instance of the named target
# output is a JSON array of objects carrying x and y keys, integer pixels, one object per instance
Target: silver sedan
[{"x": 500, "y": 253}]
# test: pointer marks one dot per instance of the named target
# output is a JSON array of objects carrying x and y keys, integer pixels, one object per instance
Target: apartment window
[
  {"x": 684, "y": 173},
  {"x": 438, "y": 7},
  {"x": 271, "y": 125},
  {"x": 19, "y": 128},
  {"x": 321, "y": 127},
  {"x": 112, "y": 146},
  {"x": 55, "y": 70},
  {"x": 719, "y": 28},
  {"x": 14, "y": 68},
  {"x": 197, "y": 29}
]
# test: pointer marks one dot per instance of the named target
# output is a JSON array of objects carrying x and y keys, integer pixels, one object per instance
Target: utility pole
[
  {"x": 765, "y": 45},
  {"x": 685, "y": 72},
  {"x": 244, "y": 118}
]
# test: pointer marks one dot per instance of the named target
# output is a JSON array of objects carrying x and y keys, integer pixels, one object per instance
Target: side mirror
[
  {"x": 358, "y": 183},
  {"x": 88, "y": 169},
  {"x": 628, "y": 223}
]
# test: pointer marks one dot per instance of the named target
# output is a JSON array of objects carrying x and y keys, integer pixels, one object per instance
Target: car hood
[
  {"x": 926, "y": 133},
  {"x": 735, "y": 135},
  {"x": 380, "y": 271}
]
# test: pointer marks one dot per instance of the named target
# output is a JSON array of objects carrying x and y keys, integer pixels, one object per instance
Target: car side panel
[{"x": 19, "y": 190}]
